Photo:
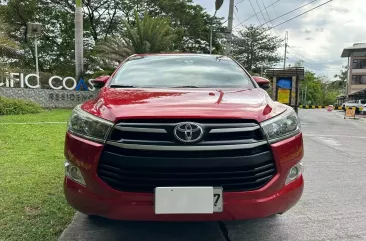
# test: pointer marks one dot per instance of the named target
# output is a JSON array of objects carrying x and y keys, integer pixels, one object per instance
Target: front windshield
[{"x": 182, "y": 71}]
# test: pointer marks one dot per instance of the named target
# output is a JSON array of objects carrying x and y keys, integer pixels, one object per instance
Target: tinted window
[
  {"x": 359, "y": 80},
  {"x": 176, "y": 71},
  {"x": 359, "y": 64}
]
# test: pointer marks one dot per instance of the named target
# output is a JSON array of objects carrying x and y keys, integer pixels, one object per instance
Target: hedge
[{"x": 18, "y": 107}]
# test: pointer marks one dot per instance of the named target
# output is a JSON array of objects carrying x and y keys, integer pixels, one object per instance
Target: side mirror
[
  {"x": 100, "y": 81},
  {"x": 262, "y": 82}
]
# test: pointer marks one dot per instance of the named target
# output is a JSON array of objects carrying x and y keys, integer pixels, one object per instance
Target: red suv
[{"x": 183, "y": 137}]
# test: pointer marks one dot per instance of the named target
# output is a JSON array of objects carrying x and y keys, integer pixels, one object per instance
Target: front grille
[{"x": 142, "y": 155}]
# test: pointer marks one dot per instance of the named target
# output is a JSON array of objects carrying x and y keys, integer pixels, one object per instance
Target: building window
[
  {"x": 359, "y": 64},
  {"x": 359, "y": 79}
]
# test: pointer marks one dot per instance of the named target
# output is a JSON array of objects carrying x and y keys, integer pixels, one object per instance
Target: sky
[{"x": 317, "y": 37}]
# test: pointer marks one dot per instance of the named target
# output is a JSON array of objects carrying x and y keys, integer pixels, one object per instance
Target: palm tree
[
  {"x": 8, "y": 48},
  {"x": 146, "y": 35}
]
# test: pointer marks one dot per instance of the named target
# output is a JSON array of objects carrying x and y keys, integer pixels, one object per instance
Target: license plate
[{"x": 188, "y": 200}]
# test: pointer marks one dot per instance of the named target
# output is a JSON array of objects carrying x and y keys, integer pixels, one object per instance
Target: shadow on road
[{"x": 96, "y": 228}]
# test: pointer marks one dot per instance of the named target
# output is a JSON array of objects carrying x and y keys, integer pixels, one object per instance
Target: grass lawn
[{"x": 32, "y": 205}]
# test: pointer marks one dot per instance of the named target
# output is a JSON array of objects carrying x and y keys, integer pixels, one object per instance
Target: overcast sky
[{"x": 317, "y": 37}]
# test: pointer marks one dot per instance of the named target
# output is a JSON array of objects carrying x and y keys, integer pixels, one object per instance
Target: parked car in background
[
  {"x": 354, "y": 103},
  {"x": 363, "y": 112}
]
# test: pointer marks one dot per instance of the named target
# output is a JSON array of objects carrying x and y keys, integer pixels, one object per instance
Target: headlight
[
  {"x": 88, "y": 126},
  {"x": 282, "y": 127}
]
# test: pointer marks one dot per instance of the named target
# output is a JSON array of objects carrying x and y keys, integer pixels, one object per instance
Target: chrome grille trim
[
  {"x": 161, "y": 132},
  {"x": 186, "y": 148},
  {"x": 140, "y": 129},
  {"x": 227, "y": 130}
]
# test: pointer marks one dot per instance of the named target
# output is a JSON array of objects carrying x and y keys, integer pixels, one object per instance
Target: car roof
[{"x": 180, "y": 54}]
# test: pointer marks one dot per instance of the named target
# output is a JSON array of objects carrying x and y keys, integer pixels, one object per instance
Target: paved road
[{"x": 333, "y": 206}]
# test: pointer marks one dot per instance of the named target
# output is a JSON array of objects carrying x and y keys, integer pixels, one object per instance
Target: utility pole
[
  {"x": 286, "y": 42},
  {"x": 218, "y": 5},
  {"x": 211, "y": 32},
  {"x": 34, "y": 30},
  {"x": 36, "y": 54},
  {"x": 230, "y": 27},
  {"x": 79, "y": 38}
]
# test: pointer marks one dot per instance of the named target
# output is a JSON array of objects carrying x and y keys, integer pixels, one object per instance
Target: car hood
[{"x": 116, "y": 104}]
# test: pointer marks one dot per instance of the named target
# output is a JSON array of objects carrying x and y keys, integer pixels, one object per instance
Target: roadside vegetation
[
  {"x": 114, "y": 30},
  {"x": 18, "y": 107},
  {"x": 320, "y": 90},
  {"x": 32, "y": 204}
]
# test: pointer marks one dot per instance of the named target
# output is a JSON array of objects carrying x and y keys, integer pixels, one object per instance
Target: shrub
[{"x": 18, "y": 107}]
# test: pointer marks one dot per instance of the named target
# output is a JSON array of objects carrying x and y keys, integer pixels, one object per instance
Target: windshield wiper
[
  {"x": 186, "y": 86},
  {"x": 123, "y": 86}
]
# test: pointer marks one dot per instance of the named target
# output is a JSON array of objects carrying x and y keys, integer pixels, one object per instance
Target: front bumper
[{"x": 97, "y": 198}]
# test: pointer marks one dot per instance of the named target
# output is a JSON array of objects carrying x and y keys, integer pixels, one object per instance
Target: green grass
[
  {"x": 60, "y": 115},
  {"x": 32, "y": 204}
]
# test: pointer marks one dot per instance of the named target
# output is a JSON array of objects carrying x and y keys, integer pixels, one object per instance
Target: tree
[
  {"x": 189, "y": 22},
  {"x": 299, "y": 63},
  {"x": 56, "y": 44},
  {"x": 320, "y": 90},
  {"x": 8, "y": 47},
  {"x": 311, "y": 86},
  {"x": 149, "y": 35},
  {"x": 340, "y": 83},
  {"x": 146, "y": 35},
  {"x": 255, "y": 47},
  {"x": 343, "y": 74}
]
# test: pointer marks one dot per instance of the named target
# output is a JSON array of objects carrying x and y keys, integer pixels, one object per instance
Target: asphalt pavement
[{"x": 333, "y": 206}]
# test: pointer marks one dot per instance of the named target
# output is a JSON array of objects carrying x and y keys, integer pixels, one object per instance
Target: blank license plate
[{"x": 188, "y": 200}]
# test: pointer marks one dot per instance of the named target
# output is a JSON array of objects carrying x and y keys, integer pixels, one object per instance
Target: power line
[
  {"x": 254, "y": 11},
  {"x": 269, "y": 18},
  {"x": 237, "y": 16},
  {"x": 237, "y": 10},
  {"x": 241, "y": 23},
  {"x": 240, "y": 2},
  {"x": 299, "y": 54},
  {"x": 298, "y": 15},
  {"x": 293, "y": 10},
  {"x": 260, "y": 10},
  {"x": 307, "y": 60},
  {"x": 311, "y": 65},
  {"x": 274, "y": 9}
]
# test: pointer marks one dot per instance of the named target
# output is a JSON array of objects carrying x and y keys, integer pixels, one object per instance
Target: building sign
[
  {"x": 283, "y": 96},
  {"x": 49, "y": 98},
  {"x": 69, "y": 97},
  {"x": 31, "y": 81}
]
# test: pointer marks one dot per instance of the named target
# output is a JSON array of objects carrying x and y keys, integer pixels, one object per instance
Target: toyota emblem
[{"x": 188, "y": 132}]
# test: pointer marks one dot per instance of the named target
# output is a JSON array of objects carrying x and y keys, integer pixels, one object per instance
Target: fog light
[
  {"x": 294, "y": 173},
  {"x": 74, "y": 173}
]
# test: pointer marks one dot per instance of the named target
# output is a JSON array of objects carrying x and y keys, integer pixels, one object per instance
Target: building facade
[{"x": 356, "y": 55}]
